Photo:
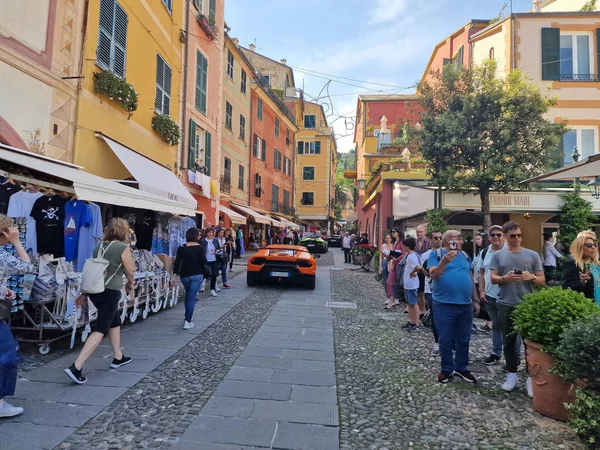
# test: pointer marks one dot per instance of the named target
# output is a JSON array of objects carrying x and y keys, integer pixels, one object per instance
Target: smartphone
[
  {"x": 453, "y": 245},
  {"x": 586, "y": 267},
  {"x": 518, "y": 272}
]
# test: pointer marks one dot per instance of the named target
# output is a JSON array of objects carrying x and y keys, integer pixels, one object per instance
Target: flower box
[
  {"x": 385, "y": 167},
  {"x": 209, "y": 28}
]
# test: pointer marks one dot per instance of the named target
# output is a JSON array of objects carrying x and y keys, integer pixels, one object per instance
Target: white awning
[
  {"x": 151, "y": 176},
  {"x": 249, "y": 212},
  {"x": 91, "y": 187},
  {"x": 588, "y": 168},
  {"x": 288, "y": 223},
  {"x": 278, "y": 223},
  {"x": 409, "y": 201},
  {"x": 233, "y": 216}
]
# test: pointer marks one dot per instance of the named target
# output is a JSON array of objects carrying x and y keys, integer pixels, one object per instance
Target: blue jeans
[
  {"x": 192, "y": 286},
  {"x": 453, "y": 323},
  {"x": 384, "y": 273},
  {"x": 497, "y": 346},
  {"x": 429, "y": 299},
  {"x": 224, "y": 272},
  {"x": 8, "y": 361}
]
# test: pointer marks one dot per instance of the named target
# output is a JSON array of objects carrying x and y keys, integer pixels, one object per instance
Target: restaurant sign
[{"x": 516, "y": 201}]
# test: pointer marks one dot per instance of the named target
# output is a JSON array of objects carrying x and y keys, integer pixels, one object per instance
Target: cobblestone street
[{"x": 259, "y": 371}]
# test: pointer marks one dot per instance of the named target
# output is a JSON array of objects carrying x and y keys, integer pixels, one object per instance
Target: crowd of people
[{"x": 439, "y": 284}]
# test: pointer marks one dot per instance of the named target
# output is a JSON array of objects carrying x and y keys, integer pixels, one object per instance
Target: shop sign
[{"x": 513, "y": 201}]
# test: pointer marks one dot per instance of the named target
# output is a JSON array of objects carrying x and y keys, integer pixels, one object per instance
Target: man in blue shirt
[{"x": 452, "y": 291}]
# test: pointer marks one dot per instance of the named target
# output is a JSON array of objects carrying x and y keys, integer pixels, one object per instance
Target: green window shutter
[
  {"x": 263, "y": 155},
  {"x": 259, "y": 109},
  {"x": 598, "y": 51},
  {"x": 256, "y": 146},
  {"x": 192, "y": 150},
  {"x": 460, "y": 56},
  {"x": 105, "y": 38},
  {"x": 317, "y": 148},
  {"x": 208, "y": 153},
  {"x": 212, "y": 10},
  {"x": 300, "y": 147},
  {"x": 550, "y": 54},
  {"x": 201, "y": 82},
  {"x": 120, "y": 41}
]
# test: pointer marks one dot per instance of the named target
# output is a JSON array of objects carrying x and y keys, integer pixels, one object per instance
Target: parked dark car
[{"x": 335, "y": 240}]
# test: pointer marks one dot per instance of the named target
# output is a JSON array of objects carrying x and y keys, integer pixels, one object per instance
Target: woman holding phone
[{"x": 581, "y": 271}]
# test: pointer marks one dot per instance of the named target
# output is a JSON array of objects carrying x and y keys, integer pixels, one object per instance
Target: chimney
[
  {"x": 236, "y": 41},
  {"x": 252, "y": 47},
  {"x": 537, "y": 6},
  {"x": 283, "y": 61}
]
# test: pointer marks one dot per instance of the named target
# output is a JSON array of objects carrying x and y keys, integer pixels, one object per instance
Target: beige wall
[
  {"x": 276, "y": 71},
  {"x": 27, "y": 20},
  {"x": 565, "y": 5},
  {"x": 480, "y": 49}
]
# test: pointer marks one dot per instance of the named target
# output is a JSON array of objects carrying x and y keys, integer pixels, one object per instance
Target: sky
[{"x": 341, "y": 48}]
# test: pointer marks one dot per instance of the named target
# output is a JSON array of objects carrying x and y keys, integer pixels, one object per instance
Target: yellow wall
[
  {"x": 151, "y": 30},
  {"x": 565, "y": 5}
]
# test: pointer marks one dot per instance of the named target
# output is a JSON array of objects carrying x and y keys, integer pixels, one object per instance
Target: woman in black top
[
  {"x": 190, "y": 264},
  {"x": 581, "y": 269},
  {"x": 230, "y": 242}
]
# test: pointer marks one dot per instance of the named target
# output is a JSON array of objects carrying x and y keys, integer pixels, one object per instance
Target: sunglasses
[
  {"x": 496, "y": 235},
  {"x": 591, "y": 244},
  {"x": 515, "y": 236},
  {"x": 436, "y": 238}
]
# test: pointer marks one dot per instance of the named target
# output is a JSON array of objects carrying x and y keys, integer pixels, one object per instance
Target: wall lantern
[
  {"x": 594, "y": 187},
  {"x": 362, "y": 184}
]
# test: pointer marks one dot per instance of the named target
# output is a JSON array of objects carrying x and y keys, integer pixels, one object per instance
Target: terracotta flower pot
[
  {"x": 363, "y": 259},
  {"x": 550, "y": 392}
]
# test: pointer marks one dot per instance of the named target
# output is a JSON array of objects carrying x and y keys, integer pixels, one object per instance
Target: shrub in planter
[
  {"x": 115, "y": 88},
  {"x": 585, "y": 417},
  {"x": 578, "y": 355},
  {"x": 167, "y": 128}
]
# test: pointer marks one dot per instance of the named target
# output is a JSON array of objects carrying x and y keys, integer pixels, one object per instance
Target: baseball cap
[{"x": 494, "y": 227}]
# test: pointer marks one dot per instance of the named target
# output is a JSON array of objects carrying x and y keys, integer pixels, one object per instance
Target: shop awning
[
  {"x": 352, "y": 217},
  {"x": 233, "y": 216},
  {"x": 249, "y": 212},
  {"x": 288, "y": 223},
  {"x": 408, "y": 201},
  {"x": 588, "y": 168},
  {"x": 151, "y": 176},
  {"x": 89, "y": 187},
  {"x": 277, "y": 223}
]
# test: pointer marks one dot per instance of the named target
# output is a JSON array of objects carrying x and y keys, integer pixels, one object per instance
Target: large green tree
[{"x": 483, "y": 133}]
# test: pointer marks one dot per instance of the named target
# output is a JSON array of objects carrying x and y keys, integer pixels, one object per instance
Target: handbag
[{"x": 5, "y": 306}]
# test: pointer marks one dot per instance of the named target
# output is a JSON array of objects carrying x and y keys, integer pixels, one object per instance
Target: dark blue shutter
[
  {"x": 192, "y": 149},
  {"x": 300, "y": 147},
  {"x": 103, "y": 53},
  {"x": 317, "y": 148},
  {"x": 550, "y": 54},
  {"x": 120, "y": 41},
  {"x": 208, "y": 153}
]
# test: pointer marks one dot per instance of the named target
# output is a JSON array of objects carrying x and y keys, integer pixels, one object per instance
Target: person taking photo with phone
[
  {"x": 517, "y": 271},
  {"x": 581, "y": 271}
]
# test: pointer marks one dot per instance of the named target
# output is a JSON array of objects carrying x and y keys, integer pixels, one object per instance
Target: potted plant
[
  {"x": 385, "y": 166},
  {"x": 167, "y": 128},
  {"x": 584, "y": 417},
  {"x": 419, "y": 164},
  {"x": 117, "y": 89},
  {"x": 398, "y": 164},
  {"x": 363, "y": 253},
  {"x": 208, "y": 26},
  {"x": 541, "y": 320},
  {"x": 370, "y": 130}
]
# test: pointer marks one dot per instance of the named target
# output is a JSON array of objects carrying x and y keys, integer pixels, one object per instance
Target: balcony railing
[
  {"x": 579, "y": 77},
  {"x": 210, "y": 28},
  {"x": 282, "y": 208},
  {"x": 225, "y": 184}
]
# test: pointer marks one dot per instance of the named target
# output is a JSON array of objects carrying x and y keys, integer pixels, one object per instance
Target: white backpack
[{"x": 94, "y": 273}]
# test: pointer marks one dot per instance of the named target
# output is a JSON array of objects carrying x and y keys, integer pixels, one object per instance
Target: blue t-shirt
[
  {"x": 76, "y": 216},
  {"x": 90, "y": 235},
  {"x": 454, "y": 285}
]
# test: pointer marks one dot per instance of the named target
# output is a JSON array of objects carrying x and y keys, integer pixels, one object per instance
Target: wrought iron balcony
[
  {"x": 225, "y": 184},
  {"x": 579, "y": 77}
]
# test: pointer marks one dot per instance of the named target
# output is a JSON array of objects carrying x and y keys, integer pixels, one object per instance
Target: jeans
[
  {"x": 429, "y": 299},
  {"x": 492, "y": 309},
  {"x": 453, "y": 323},
  {"x": 347, "y": 255},
  {"x": 192, "y": 286},
  {"x": 511, "y": 341},
  {"x": 214, "y": 273},
  {"x": 384, "y": 273},
  {"x": 238, "y": 248},
  {"x": 224, "y": 272},
  {"x": 8, "y": 361},
  {"x": 231, "y": 257}
]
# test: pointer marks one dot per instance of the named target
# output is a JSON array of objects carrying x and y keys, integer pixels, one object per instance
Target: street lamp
[
  {"x": 362, "y": 184},
  {"x": 594, "y": 187}
]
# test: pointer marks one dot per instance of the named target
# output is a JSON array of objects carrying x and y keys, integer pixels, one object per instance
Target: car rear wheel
[
  {"x": 251, "y": 279},
  {"x": 310, "y": 282}
]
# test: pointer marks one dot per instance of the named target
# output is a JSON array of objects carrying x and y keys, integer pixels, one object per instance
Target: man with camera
[
  {"x": 452, "y": 291},
  {"x": 517, "y": 271}
]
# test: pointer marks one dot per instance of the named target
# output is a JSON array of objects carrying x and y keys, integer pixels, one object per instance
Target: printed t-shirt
[
  {"x": 89, "y": 235},
  {"x": 7, "y": 190},
  {"x": 425, "y": 257},
  {"x": 511, "y": 294},
  {"x": 20, "y": 205},
  {"x": 210, "y": 250},
  {"x": 49, "y": 215},
  {"x": 412, "y": 261},
  {"x": 76, "y": 216},
  {"x": 454, "y": 284},
  {"x": 145, "y": 222}
]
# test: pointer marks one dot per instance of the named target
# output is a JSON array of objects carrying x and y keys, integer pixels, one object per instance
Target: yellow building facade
[
  {"x": 139, "y": 42},
  {"x": 315, "y": 166}
]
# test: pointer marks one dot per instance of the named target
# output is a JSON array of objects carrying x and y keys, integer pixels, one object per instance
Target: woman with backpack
[
  {"x": 211, "y": 244},
  {"x": 190, "y": 265},
  {"x": 115, "y": 249}
]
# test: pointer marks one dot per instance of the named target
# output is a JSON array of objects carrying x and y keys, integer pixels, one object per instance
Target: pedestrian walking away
[
  {"x": 9, "y": 266},
  {"x": 190, "y": 265},
  {"x": 223, "y": 256},
  {"x": 550, "y": 254},
  {"x": 517, "y": 271},
  {"x": 115, "y": 249},
  {"x": 211, "y": 245},
  {"x": 452, "y": 290}
]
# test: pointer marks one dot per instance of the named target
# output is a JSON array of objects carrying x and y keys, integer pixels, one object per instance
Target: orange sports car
[{"x": 282, "y": 264}]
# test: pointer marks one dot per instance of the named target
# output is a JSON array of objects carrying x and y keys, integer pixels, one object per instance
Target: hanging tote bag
[{"x": 93, "y": 276}]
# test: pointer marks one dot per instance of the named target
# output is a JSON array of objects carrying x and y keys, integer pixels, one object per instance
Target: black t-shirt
[
  {"x": 49, "y": 215},
  {"x": 145, "y": 222},
  {"x": 6, "y": 191}
]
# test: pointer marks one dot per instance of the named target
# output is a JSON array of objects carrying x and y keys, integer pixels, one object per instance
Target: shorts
[
  {"x": 421, "y": 276},
  {"x": 412, "y": 296},
  {"x": 107, "y": 304}
]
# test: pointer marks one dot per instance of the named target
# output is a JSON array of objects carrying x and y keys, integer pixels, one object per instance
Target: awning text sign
[{"x": 513, "y": 201}]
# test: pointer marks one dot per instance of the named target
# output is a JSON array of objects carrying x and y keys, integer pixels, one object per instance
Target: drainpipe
[
  {"x": 250, "y": 149},
  {"x": 185, "y": 78}
]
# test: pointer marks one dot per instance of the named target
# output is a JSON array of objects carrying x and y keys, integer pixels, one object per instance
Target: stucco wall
[
  {"x": 499, "y": 41},
  {"x": 565, "y": 5}
]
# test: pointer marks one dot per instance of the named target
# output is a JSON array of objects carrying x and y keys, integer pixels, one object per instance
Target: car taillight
[
  {"x": 304, "y": 263},
  {"x": 258, "y": 261}
]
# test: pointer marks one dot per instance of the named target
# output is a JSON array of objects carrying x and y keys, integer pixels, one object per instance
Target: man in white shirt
[
  {"x": 549, "y": 257},
  {"x": 412, "y": 267},
  {"x": 347, "y": 245}
]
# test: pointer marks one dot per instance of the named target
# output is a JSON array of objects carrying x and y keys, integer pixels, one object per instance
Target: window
[
  {"x": 492, "y": 53},
  {"x": 265, "y": 80},
  {"x": 567, "y": 56},
  {"x": 582, "y": 138},
  {"x": 308, "y": 173},
  {"x": 169, "y": 5},
  {"x": 256, "y": 146},
  {"x": 242, "y": 128},
  {"x": 257, "y": 185},
  {"x": 162, "y": 104},
  {"x": 201, "y": 82},
  {"x": 308, "y": 198},
  {"x": 458, "y": 58},
  {"x": 227, "y": 171},
  {"x": 259, "y": 109},
  {"x": 276, "y": 126},
  {"x": 199, "y": 4},
  {"x": 244, "y": 78},
  {"x": 112, "y": 39},
  {"x": 193, "y": 145},
  {"x": 287, "y": 166},
  {"x": 212, "y": 11},
  {"x": 310, "y": 121},
  {"x": 382, "y": 138},
  {"x": 309, "y": 148},
  {"x": 207, "y": 152},
  {"x": 275, "y": 198},
  {"x": 228, "y": 116},
  {"x": 286, "y": 202},
  {"x": 288, "y": 141},
  {"x": 230, "y": 64},
  {"x": 263, "y": 154},
  {"x": 241, "y": 171},
  {"x": 277, "y": 159}
]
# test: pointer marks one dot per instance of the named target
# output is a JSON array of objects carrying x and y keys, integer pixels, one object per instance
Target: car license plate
[
  {"x": 280, "y": 274},
  {"x": 310, "y": 245}
]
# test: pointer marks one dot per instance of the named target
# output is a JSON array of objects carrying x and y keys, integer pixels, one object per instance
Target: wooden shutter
[
  {"x": 192, "y": 150},
  {"x": 208, "y": 153},
  {"x": 550, "y": 54},
  {"x": 167, "y": 90},
  {"x": 201, "y": 82},
  {"x": 256, "y": 146},
  {"x": 317, "y": 148},
  {"x": 105, "y": 38},
  {"x": 160, "y": 70},
  {"x": 460, "y": 56},
  {"x": 263, "y": 155},
  {"x": 212, "y": 10},
  {"x": 120, "y": 41},
  {"x": 300, "y": 147},
  {"x": 598, "y": 52}
]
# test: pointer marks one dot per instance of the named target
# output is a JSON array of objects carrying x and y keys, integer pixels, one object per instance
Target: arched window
[{"x": 492, "y": 53}]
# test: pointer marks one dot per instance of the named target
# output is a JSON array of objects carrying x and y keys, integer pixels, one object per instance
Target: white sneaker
[
  {"x": 530, "y": 387},
  {"x": 511, "y": 382},
  {"x": 435, "y": 351},
  {"x": 8, "y": 410},
  {"x": 218, "y": 289},
  {"x": 201, "y": 289},
  {"x": 213, "y": 294},
  {"x": 187, "y": 325}
]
